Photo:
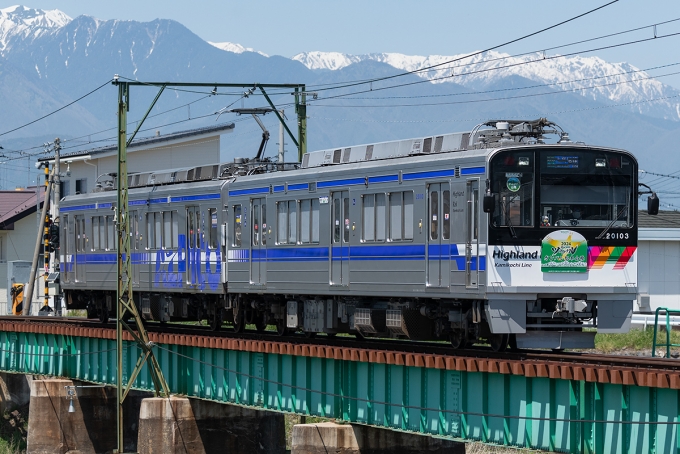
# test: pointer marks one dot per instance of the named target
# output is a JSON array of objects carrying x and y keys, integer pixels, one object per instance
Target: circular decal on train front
[
  {"x": 513, "y": 184},
  {"x": 564, "y": 251}
]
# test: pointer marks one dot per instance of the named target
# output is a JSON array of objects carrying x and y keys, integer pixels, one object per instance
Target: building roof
[
  {"x": 15, "y": 205},
  {"x": 663, "y": 220},
  {"x": 189, "y": 134}
]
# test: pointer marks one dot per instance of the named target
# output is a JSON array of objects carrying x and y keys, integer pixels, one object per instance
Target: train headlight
[{"x": 599, "y": 162}]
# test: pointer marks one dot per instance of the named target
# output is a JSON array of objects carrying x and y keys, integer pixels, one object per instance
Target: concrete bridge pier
[
  {"x": 179, "y": 425},
  {"x": 153, "y": 425},
  {"x": 91, "y": 428},
  {"x": 323, "y": 438}
]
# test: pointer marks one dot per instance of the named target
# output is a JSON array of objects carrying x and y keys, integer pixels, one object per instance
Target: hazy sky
[{"x": 424, "y": 27}]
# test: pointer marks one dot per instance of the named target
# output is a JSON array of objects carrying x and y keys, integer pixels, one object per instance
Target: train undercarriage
[{"x": 460, "y": 322}]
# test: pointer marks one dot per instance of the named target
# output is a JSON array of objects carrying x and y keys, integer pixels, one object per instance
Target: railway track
[{"x": 392, "y": 346}]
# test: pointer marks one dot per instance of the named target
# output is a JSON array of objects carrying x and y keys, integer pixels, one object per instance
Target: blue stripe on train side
[
  {"x": 472, "y": 170},
  {"x": 430, "y": 174}
]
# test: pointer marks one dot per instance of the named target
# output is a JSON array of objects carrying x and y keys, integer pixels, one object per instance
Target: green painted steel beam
[{"x": 531, "y": 412}]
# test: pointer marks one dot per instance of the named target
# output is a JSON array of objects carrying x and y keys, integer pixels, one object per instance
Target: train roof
[{"x": 483, "y": 140}]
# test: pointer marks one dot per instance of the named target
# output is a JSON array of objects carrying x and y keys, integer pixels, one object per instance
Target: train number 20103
[{"x": 617, "y": 236}]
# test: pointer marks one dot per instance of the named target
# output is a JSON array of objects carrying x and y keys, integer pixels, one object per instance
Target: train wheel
[
  {"x": 512, "y": 343},
  {"x": 499, "y": 342},
  {"x": 310, "y": 334},
  {"x": 239, "y": 322},
  {"x": 456, "y": 339},
  {"x": 281, "y": 328},
  {"x": 260, "y": 322},
  {"x": 104, "y": 313},
  {"x": 331, "y": 335},
  {"x": 215, "y": 320}
]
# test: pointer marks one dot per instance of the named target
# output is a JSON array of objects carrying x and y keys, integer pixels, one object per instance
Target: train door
[
  {"x": 439, "y": 235},
  {"x": 135, "y": 261},
  {"x": 258, "y": 242},
  {"x": 472, "y": 235},
  {"x": 67, "y": 248},
  {"x": 193, "y": 256},
  {"x": 80, "y": 242},
  {"x": 340, "y": 226}
]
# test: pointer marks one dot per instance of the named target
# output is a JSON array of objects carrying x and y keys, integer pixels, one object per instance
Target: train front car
[{"x": 562, "y": 244}]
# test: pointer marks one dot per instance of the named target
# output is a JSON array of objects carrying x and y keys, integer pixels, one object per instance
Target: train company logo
[
  {"x": 564, "y": 251},
  {"x": 514, "y": 255}
]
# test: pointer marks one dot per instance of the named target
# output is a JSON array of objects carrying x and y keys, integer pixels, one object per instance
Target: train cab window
[
  {"x": 212, "y": 215},
  {"x": 591, "y": 189},
  {"x": 512, "y": 183},
  {"x": 236, "y": 219}
]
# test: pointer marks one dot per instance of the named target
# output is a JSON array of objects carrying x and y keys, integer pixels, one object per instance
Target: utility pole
[
  {"x": 36, "y": 252},
  {"x": 55, "y": 216}
]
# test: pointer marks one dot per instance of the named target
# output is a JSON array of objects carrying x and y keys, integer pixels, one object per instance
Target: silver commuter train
[{"x": 490, "y": 235}]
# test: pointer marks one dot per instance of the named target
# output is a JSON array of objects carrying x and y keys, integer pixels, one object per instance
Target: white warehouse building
[{"x": 658, "y": 261}]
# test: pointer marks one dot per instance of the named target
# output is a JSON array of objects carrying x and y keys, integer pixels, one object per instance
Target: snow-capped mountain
[
  {"x": 235, "y": 48},
  {"x": 24, "y": 23},
  {"x": 591, "y": 77}
]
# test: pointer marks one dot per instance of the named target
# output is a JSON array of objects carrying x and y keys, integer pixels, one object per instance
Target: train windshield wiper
[
  {"x": 506, "y": 208},
  {"x": 618, "y": 216}
]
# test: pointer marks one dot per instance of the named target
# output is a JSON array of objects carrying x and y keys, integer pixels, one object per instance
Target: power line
[
  {"x": 378, "y": 79},
  {"x": 528, "y": 87},
  {"x": 58, "y": 110}
]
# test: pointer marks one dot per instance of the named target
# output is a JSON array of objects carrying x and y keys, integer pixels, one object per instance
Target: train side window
[
  {"x": 175, "y": 229},
  {"x": 374, "y": 217},
  {"x": 446, "y": 214},
  {"x": 407, "y": 218},
  {"x": 95, "y": 233},
  {"x": 282, "y": 222},
  {"x": 102, "y": 233},
  {"x": 158, "y": 225},
  {"x": 292, "y": 221},
  {"x": 212, "y": 215},
  {"x": 368, "y": 227},
  {"x": 305, "y": 221},
  {"x": 110, "y": 231},
  {"x": 401, "y": 216},
  {"x": 315, "y": 221},
  {"x": 167, "y": 229},
  {"x": 237, "y": 226},
  {"x": 380, "y": 217},
  {"x": 134, "y": 230},
  {"x": 149, "y": 230},
  {"x": 396, "y": 215}
]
